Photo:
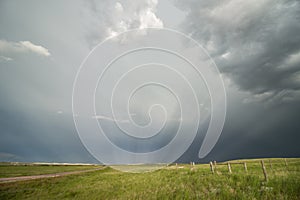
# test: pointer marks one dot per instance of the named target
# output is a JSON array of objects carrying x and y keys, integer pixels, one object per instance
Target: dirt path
[{"x": 25, "y": 178}]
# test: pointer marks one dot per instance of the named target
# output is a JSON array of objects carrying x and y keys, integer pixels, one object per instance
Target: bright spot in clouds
[
  {"x": 21, "y": 47},
  {"x": 35, "y": 48},
  {"x": 4, "y": 58},
  {"x": 133, "y": 17}
]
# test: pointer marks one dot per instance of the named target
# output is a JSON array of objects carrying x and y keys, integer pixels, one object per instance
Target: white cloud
[
  {"x": 226, "y": 55},
  {"x": 119, "y": 7},
  {"x": 35, "y": 48},
  {"x": 149, "y": 19},
  {"x": 22, "y": 46},
  {"x": 4, "y": 58},
  {"x": 110, "y": 119},
  {"x": 117, "y": 17},
  {"x": 134, "y": 16}
]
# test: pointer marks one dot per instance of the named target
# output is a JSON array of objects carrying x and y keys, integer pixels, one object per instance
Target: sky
[{"x": 255, "y": 45}]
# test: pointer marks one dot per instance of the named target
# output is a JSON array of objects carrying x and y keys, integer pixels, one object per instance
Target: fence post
[
  {"x": 229, "y": 167},
  {"x": 192, "y": 166},
  {"x": 285, "y": 162},
  {"x": 215, "y": 166},
  {"x": 211, "y": 167},
  {"x": 245, "y": 167},
  {"x": 264, "y": 170},
  {"x": 271, "y": 164}
]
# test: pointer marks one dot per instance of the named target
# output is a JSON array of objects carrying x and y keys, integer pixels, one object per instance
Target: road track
[{"x": 60, "y": 174}]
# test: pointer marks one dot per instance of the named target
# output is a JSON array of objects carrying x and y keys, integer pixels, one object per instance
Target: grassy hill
[{"x": 173, "y": 182}]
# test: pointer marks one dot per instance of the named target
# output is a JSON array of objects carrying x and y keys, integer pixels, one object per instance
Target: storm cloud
[{"x": 255, "y": 44}]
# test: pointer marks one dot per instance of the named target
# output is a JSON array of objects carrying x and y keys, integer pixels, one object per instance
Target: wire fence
[{"x": 265, "y": 168}]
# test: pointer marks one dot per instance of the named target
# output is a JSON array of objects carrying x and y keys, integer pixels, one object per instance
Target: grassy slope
[
  {"x": 168, "y": 183},
  {"x": 22, "y": 170}
]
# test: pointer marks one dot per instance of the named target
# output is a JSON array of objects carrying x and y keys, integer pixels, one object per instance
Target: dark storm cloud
[
  {"x": 253, "y": 131},
  {"x": 39, "y": 136},
  {"x": 256, "y": 43}
]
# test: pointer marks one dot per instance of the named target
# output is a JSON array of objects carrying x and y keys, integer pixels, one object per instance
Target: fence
[
  {"x": 214, "y": 166},
  {"x": 262, "y": 167}
]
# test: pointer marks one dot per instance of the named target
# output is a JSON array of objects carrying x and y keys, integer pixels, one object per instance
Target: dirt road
[{"x": 25, "y": 178}]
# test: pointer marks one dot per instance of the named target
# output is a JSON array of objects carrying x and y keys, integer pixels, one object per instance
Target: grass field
[
  {"x": 172, "y": 182},
  {"x": 26, "y": 170}
]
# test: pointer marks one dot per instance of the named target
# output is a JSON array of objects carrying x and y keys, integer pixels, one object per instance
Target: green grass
[
  {"x": 168, "y": 183},
  {"x": 26, "y": 170}
]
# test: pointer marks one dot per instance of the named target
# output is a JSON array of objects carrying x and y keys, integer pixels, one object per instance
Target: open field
[
  {"x": 172, "y": 182},
  {"x": 26, "y": 170}
]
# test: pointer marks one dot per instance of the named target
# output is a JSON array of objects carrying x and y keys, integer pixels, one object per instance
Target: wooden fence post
[
  {"x": 264, "y": 170},
  {"x": 271, "y": 164},
  {"x": 229, "y": 167},
  {"x": 211, "y": 167},
  {"x": 192, "y": 166},
  {"x": 285, "y": 162},
  {"x": 245, "y": 167},
  {"x": 215, "y": 165}
]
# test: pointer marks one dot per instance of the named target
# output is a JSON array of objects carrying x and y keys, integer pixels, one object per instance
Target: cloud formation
[
  {"x": 5, "y": 58},
  {"x": 111, "y": 18},
  {"x": 101, "y": 117},
  {"x": 22, "y": 46},
  {"x": 256, "y": 43}
]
